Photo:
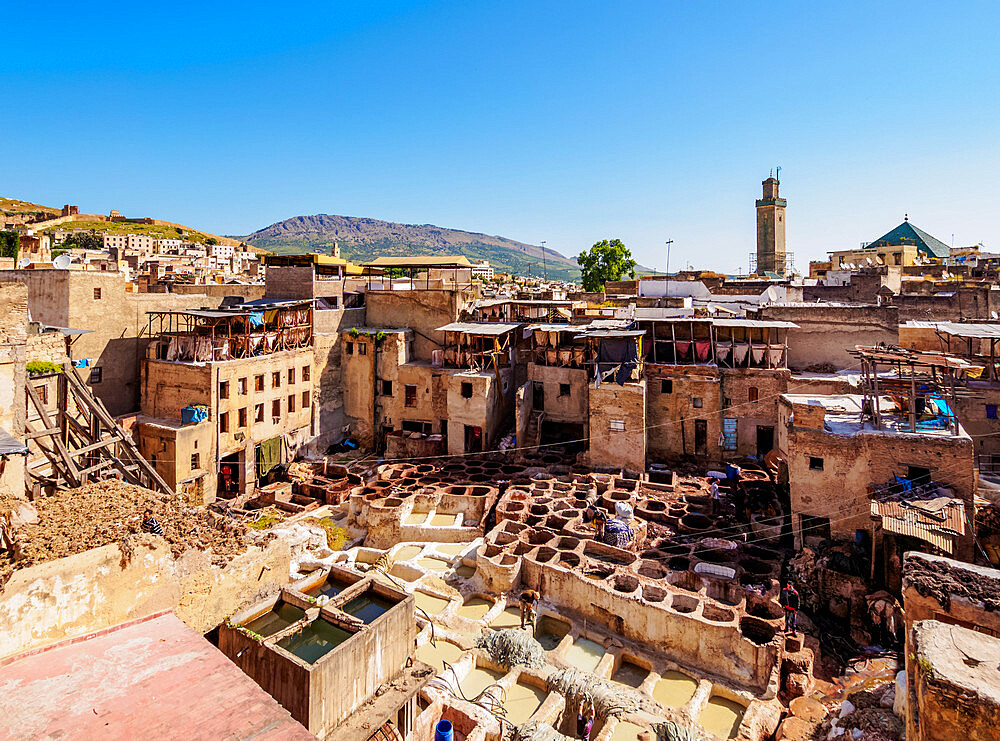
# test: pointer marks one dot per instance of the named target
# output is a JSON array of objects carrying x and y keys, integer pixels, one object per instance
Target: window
[
  {"x": 276, "y": 409},
  {"x": 815, "y": 464},
  {"x": 362, "y": 348},
  {"x": 991, "y": 411},
  {"x": 386, "y": 388},
  {"x": 305, "y": 399},
  {"x": 291, "y": 403},
  {"x": 291, "y": 375},
  {"x": 696, "y": 402},
  {"x": 195, "y": 460},
  {"x": 224, "y": 389},
  {"x": 241, "y": 387},
  {"x": 564, "y": 389},
  {"x": 152, "y": 460},
  {"x": 43, "y": 394},
  {"x": 350, "y": 348},
  {"x": 305, "y": 372},
  {"x": 258, "y": 382},
  {"x": 752, "y": 393},
  {"x": 95, "y": 375},
  {"x": 466, "y": 390},
  {"x": 224, "y": 422},
  {"x": 258, "y": 413},
  {"x": 410, "y": 399},
  {"x": 97, "y": 294},
  {"x": 243, "y": 417},
  {"x": 276, "y": 380},
  {"x": 666, "y": 386},
  {"x": 617, "y": 425}
]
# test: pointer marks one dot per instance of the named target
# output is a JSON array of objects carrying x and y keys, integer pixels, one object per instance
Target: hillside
[
  {"x": 14, "y": 206},
  {"x": 363, "y": 239}
]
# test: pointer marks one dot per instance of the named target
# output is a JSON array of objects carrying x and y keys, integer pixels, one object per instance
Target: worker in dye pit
[
  {"x": 790, "y": 601},
  {"x": 613, "y": 531},
  {"x": 528, "y": 603},
  {"x": 150, "y": 524},
  {"x": 713, "y": 491},
  {"x": 585, "y": 720}
]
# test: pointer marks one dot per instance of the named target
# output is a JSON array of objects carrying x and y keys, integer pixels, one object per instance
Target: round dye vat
[
  {"x": 626, "y": 731},
  {"x": 522, "y": 702},
  {"x": 722, "y": 717},
  {"x": 478, "y": 680},
  {"x": 434, "y": 564},
  {"x": 429, "y": 603},
  {"x": 407, "y": 552},
  {"x": 585, "y": 654},
  {"x": 630, "y": 674},
  {"x": 509, "y": 618},
  {"x": 466, "y": 572},
  {"x": 674, "y": 689},
  {"x": 452, "y": 549},
  {"x": 436, "y": 655},
  {"x": 475, "y": 608}
]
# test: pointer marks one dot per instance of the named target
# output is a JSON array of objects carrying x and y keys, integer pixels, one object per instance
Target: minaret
[{"x": 771, "y": 230}]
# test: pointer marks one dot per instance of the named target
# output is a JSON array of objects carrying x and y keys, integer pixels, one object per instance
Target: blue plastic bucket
[{"x": 443, "y": 731}]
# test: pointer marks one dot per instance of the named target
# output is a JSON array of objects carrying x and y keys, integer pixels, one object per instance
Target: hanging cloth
[
  {"x": 173, "y": 349},
  {"x": 758, "y": 355},
  {"x": 722, "y": 350},
  {"x": 774, "y": 354},
  {"x": 701, "y": 350},
  {"x": 740, "y": 350},
  {"x": 683, "y": 349}
]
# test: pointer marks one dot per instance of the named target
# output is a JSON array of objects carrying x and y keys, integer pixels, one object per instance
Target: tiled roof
[{"x": 906, "y": 233}]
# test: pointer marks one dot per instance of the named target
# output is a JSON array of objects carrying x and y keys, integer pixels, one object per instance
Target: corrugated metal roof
[
  {"x": 754, "y": 323},
  {"x": 981, "y": 331},
  {"x": 484, "y": 328},
  {"x": 937, "y": 521},
  {"x": 608, "y": 333}
]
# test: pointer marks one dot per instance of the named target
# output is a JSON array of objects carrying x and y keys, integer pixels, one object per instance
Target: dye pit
[{"x": 633, "y": 618}]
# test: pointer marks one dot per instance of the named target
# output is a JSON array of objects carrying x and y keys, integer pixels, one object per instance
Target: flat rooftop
[
  {"x": 152, "y": 678},
  {"x": 843, "y": 416}
]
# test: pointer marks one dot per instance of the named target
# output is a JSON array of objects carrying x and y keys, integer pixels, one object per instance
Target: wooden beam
[{"x": 70, "y": 473}]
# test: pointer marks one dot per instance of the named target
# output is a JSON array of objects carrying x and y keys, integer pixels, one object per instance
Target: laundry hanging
[
  {"x": 758, "y": 355},
  {"x": 740, "y": 351},
  {"x": 722, "y": 350},
  {"x": 702, "y": 349},
  {"x": 774, "y": 355},
  {"x": 683, "y": 348}
]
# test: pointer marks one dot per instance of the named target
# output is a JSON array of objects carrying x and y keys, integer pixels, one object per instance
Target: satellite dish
[
  {"x": 62, "y": 261},
  {"x": 24, "y": 262}
]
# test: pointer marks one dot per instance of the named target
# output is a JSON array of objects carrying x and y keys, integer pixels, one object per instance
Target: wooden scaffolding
[{"x": 80, "y": 442}]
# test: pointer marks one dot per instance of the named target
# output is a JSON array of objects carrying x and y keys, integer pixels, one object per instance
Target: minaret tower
[{"x": 771, "y": 230}]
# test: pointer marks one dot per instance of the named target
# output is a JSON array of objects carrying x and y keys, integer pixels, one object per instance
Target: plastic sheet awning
[{"x": 10, "y": 446}]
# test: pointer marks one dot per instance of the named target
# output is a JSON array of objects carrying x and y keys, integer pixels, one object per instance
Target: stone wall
[
  {"x": 618, "y": 448},
  {"x": 826, "y": 334},
  {"x": 92, "y": 590}
]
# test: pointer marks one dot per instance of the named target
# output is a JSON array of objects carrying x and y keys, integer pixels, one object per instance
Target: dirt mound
[{"x": 76, "y": 520}]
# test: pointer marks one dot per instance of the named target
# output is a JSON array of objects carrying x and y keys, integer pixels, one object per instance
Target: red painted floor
[{"x": 156, "y": 679}]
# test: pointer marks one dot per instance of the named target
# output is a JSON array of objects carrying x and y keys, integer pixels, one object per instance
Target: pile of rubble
[{"x": 75, "y": 520}]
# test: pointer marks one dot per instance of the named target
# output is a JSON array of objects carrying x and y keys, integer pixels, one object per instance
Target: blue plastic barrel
[{"x": 443, "y": 731}]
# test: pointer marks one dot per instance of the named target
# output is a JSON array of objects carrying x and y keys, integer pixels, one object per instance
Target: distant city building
[
  {"x": 139, "y": 242},
  {"x": 482, "y": 270}
]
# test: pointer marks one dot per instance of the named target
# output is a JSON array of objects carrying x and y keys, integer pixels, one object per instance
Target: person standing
[
  {"x": 585, "y": 720},
  {"x": 713, "y": 491},
  {"x": 528, "y": 604},
  {"x": 790, "y": 601},
  {"x": 150, "y": 524}
]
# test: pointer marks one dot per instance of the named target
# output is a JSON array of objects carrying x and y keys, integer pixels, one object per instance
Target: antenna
[
  {"x": 545, "y": 270},
  {"x": 777, "y": 173},
  {"x": 669, "y": 242}
]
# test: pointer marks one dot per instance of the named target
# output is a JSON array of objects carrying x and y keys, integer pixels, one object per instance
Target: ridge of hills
[{"x": 363, "y": 239}]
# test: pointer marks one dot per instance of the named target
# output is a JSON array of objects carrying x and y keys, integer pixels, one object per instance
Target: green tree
[
  {"x": 211, "y": 241},
  {"x": 605, "y": 261},
  {"x": 10, "y": 244},
  {"x": 84, "y": 240}
]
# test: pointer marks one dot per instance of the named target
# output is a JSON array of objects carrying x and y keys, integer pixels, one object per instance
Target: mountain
[{"x": 363, "y": 239}]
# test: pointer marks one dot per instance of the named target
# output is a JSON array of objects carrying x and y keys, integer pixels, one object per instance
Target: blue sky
[{"x": 560, "y": 121}]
